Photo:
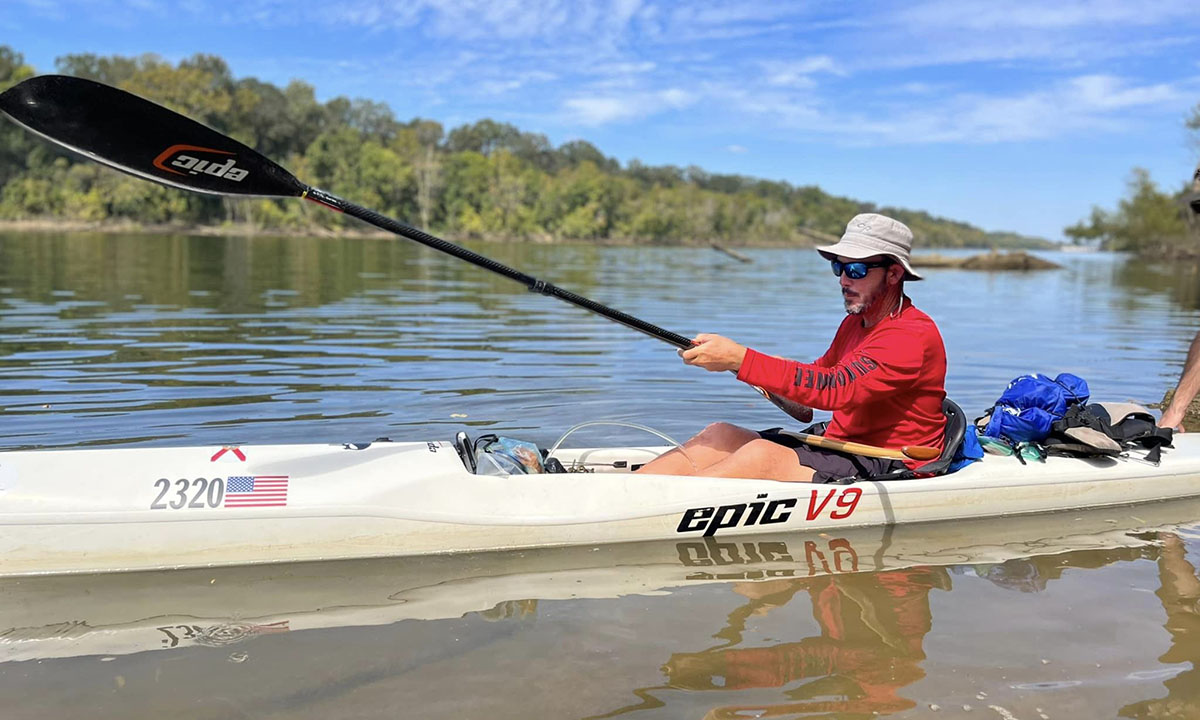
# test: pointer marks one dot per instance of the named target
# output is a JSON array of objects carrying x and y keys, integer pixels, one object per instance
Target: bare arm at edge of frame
[{"x": 1189, "y": 385}]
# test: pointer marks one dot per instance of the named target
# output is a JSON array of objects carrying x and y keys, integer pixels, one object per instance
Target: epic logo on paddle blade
[{"x": 196, "y": 160}]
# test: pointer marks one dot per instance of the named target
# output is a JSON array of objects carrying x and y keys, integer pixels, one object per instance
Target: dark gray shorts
[{"x": 830, "y": 464}]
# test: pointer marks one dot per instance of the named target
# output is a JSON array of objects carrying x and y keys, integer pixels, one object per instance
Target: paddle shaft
[
  {"x": 333, "y": 202},
  {"x": 383, "y": 222},
  {"x": 908, "y": 452}
]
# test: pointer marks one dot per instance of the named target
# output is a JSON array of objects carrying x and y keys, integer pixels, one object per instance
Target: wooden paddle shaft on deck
[{"x": 908, "y": 452}]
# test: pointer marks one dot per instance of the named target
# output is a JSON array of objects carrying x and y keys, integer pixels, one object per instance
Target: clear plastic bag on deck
[{"x": 496, "y": 455}]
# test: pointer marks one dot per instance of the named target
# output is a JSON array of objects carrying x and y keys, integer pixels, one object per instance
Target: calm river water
[{"x": 153, "y": 341}]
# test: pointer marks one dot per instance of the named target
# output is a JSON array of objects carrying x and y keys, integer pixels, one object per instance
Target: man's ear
[{"x": 895, "y": 274}]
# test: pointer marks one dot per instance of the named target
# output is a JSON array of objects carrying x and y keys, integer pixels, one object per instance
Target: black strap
[
  {"x": 1155, "y": 455},
  {"x": 484, "y": 440}
]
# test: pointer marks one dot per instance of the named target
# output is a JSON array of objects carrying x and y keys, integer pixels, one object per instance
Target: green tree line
[
  {"x": 485, "y": 179},
  {"x": 1148, "y": 221}
]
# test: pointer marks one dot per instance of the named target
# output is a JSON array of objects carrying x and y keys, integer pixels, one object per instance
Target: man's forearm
[{"x": 1189, "y": 385}]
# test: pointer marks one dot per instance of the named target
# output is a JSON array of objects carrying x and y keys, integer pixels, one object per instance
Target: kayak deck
[{"x": 107, "y": 510}]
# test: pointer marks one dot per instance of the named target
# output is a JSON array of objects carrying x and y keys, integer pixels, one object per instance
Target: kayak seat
[
  {"x": 466, "y": 451},
  {"x": 956, "y": 430}
]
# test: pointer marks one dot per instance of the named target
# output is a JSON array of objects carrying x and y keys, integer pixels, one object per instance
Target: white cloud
[
  {"x": 735, "y": 148},
  {"x": 1084, "y": 103},
  {"x": 109, "y": 13},
  {"x": 484, "y": 20},
  {"x": 599, "y": 110},
  {"x": 624, "y": 68},
  {"x": 813, "y": 64},
  {"x": 47, "y": 8},
  {"x": 676, "y": 98},
  {"x": 779, "y": 108},
  {"x": 499, "y": 87},
  {"x": 1105, "y": 92},
  {"x": 932, "y": 71},
  {"x": 698, "y": 20},
  {"x": 603, "y": 110},
  {"x": 984, "y": 15},
  {"x": 914, "y": 88},
  {"x": 697, "y": 13},
  {"x": 796, "y": 73},
  {"x": 505, "y": 82}
]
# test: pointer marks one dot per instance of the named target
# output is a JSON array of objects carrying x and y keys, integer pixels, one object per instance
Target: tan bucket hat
[{"x": 869, "y": 234}]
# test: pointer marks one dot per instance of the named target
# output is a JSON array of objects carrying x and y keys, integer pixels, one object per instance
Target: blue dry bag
[{"x": 1031, "y": 404}]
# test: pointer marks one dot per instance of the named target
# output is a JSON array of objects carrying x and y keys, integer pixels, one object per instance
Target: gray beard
[{"x": 858, "y": 307}]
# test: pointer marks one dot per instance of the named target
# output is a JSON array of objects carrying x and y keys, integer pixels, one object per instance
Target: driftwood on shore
[
  {"x": 731, "y": 253},
  {"x": 993, "y": 260},
  {"x": 821, "y": 238}
]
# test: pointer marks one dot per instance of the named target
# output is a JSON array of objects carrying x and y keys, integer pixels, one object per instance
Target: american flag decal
[{"x": 256, "y": 491}]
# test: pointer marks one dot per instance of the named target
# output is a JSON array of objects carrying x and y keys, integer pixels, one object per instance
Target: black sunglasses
[{"x": 858, "y": 269}]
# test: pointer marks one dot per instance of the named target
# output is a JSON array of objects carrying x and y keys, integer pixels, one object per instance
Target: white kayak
[{"x": 111, "y": 510}]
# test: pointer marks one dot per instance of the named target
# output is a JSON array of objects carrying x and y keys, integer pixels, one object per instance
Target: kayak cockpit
[
  {"x": 494, "y": 455},
  {"x": 486, "y": 455}
]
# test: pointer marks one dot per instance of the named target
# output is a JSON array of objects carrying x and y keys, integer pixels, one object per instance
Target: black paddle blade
[{"x": 134, "y": 135}]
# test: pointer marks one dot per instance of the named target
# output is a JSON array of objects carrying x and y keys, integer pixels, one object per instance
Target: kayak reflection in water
[
  {"x": 870, "y": 646},
  {"x": 873, "y": 626},
  {"x": 1179, "y": 592},
  {"x": 872, "y": 629},
  {"x": 883, "y": 376}
]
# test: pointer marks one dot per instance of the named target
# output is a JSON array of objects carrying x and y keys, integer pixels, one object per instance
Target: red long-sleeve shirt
[{"x": 885, "y": 384}]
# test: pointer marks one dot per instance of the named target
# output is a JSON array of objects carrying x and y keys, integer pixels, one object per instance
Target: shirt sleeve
[
  {"x": 887, "y": 361},
  {"x": 828, "y": 359}
]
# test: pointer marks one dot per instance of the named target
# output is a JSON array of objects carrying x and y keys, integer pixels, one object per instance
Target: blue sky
[{"x": 1008, "y": 115}]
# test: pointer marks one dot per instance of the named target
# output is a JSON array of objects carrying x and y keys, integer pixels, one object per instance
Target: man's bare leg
[
  {"x": 761, "y": 459},
  {"x": 708, "y": 447}
]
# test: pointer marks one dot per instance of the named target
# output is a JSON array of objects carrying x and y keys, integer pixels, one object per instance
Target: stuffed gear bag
[
  {"x": 1108, "y": 429},
  {"x": 1030, "y": 404}
]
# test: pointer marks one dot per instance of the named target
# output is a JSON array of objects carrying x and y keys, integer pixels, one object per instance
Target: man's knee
[
  {"x": 771, "y": 461},
  {"x": 760, "y": 450},
  {"x": 723, "y": 433}
]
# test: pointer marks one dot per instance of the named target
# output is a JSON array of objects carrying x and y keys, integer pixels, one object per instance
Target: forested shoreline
[
  {"x": 485, "y": 179},
  {"x": 1147, "y": 220}
]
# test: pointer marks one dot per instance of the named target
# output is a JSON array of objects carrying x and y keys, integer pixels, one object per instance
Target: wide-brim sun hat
[{"x": 871, "y": 234}]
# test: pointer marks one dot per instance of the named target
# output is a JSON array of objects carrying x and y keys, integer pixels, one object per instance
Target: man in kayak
[{"x": 883, "y": 376}]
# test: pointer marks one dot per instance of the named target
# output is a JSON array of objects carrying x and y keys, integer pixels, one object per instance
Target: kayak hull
[{"x": 84, "y": 511}]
